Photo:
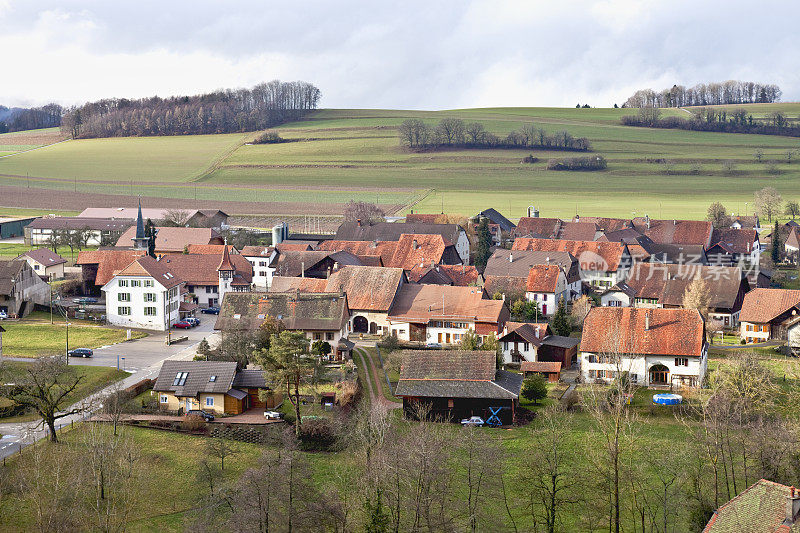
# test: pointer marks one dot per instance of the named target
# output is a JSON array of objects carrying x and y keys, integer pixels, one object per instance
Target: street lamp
[{"x": 67, "y": 351}]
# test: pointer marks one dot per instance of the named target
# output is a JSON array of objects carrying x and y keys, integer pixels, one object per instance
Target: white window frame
[
  {"x": 209, "y": 401},
  {"x": 123, "y": 297},
  {"x": 150, "y": 311},
  {"x": 163, "y": 398}
]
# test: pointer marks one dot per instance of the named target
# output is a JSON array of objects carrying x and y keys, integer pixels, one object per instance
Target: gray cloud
[{"x": 394, "y": 55}]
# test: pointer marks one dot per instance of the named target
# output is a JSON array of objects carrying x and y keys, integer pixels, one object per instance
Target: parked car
[
  {"x": 273, "y": 415},
  {"x": 213, "y": 310},
  {"x": 3, "y": 315},
  {"x": 433, "y": 345},
  {"x": 181, "y": 324},
  {"x": 193, "y": 321},
  {"x": 473, "y": 421},
  {"x": 208, "y": 417},
  {"x": 80, "y": 352},
  {"x": 85, "y": 300}
]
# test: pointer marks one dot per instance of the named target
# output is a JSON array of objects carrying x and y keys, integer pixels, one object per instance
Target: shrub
[
  {"x": 587, "y": 163},
  {"x": 530, "y": 159},
  {"x": 269, "y": 137},
  {"x": 317, "y": 434},
  {"x": 571, "y": 402},
  {"x": 389, "y": 343},
  {"x": 193, "y": 423},
  {"x": 348, "y": 393}
]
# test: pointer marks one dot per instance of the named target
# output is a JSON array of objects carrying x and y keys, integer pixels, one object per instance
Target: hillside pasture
[{"x": 337, "y": 155}]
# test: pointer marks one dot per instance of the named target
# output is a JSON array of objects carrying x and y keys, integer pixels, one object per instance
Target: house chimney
[
  {"x": 536, "y": 332},
  {"x": 302, "y": 269},
  {"x": 547, "y": 260},
  {"x": 647, "y": 221},
  {"x": 647, "y": 320},
  {"x": 414, "y": 244},
  {"x": 792, "y": 505},
  {"x": 577, "y": 218},
  {"x": 674, "y": 222},
  {"x": 511, "y": 258},
  {"x": 358, "y": 222}
]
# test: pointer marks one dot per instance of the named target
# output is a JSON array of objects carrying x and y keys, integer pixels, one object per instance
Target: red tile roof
[
  {"x": 429, "y": 218},
  {"x": 606, "y": 224},
  {"x": 533, "y": 332},
  {"x": 418, "y": 251},
  {"x": 672, "y": 332},
  {"x": 541, "y": 366},
  {"x": 462, "y": 275},
  {"x": 588, "y": 253},
  {"x": 535, "y": 226},
  {"x": 201, "y": 269},
  {"x": 108, "y": 262},
  {"x": 763, "y": 305},
  {"x": 293, "y": 246},
  {"x": 213, "y": 249},
  {"x": 738, "y": 241},
  {"x": 171, "y": 239},
  {"x": 676, "y": 231},
  {"x": 543, "y": 278},
  {"x": 367, "y": 288}
]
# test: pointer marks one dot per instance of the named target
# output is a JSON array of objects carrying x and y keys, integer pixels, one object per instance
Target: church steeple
[{"x": 140, "y": 242}]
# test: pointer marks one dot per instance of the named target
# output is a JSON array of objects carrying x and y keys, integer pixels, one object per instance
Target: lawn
[
  {"x": 10, "y": 250},
  {"x": 95, "y": 378},
  {"x": 34, "y": 336},
  {"x": 167, "y": 463},
  {"x": 342, "y": 154}
]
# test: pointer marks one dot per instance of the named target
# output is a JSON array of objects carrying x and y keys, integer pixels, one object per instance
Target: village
[{"x": 454, "y": 319}]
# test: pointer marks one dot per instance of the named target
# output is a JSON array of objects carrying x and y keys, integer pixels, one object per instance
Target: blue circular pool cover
[{"x": 667, "y": 399}]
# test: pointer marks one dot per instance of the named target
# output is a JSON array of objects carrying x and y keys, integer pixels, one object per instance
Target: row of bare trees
[
  {"x": 454, "y": 132},
  {"x": 715, "y": 93},
  {"x": 709, "y": 119},
  {"x": 223, "y": 111}
]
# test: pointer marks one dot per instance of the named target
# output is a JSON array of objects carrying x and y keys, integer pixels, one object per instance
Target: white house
[
  {"x": 656, "y": 347},
  {"x": 547, "y": 286},
  {"x": 205, "y": 277},
  {"x": 144, "y": 295},
  {"x": 260, "y": 258},
  {"x": 620, "y": 295},
  {"x": 521, "y": 340},
  {"x": 48, "y": 264}
]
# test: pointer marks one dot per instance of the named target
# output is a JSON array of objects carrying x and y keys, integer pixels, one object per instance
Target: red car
[{"x": 182, "y": 324}]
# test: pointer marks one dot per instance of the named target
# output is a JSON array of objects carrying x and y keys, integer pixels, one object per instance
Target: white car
[
  {"x": 273, "y": 415},
  {"x": 3, "y": 315},
  {"x": 472, "y": 421}
]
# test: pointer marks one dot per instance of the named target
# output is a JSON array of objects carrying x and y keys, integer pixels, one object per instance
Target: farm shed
[{"x": 13, "y": 227}]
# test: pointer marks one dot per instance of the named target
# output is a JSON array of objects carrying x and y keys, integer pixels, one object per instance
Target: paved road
[{"x": 143, "y": 357}]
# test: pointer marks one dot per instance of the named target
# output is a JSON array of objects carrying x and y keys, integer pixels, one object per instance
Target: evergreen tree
[
  {"x": 776, "y": 244},
  {"x": 561, "y": 323},
  {"x": 534, "y": 388},
  {"x": 150, "y": 232},
  {"x": 484, "y": 248}
]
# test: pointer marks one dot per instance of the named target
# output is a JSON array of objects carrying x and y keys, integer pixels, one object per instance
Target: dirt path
[
  {"x": 374, "y": 386},
  {"x": 32, "y": 149}
]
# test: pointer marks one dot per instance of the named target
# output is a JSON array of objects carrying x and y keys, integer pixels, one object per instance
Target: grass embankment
[
  {"x": 343, "y": 154},
  {"x": 35, "y": 336},
  {"x": 165, "y": 489},
  {"x": 95, "y": 378}
]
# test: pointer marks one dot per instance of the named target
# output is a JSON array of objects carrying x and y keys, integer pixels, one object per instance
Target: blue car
[{"x": 210, "y": 310}]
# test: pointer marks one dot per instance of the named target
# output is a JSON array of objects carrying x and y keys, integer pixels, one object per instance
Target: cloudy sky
[{"x": 417, "y": 55}]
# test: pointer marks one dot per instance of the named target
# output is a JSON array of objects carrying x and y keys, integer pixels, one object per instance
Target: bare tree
[
  {"x": 698, "y": 296},
  {"x": 364, "y": 211},
  {"x": 550, "y": 475},
  {"x": 175, "y": 218},
  {"x": 768, "y": 202},
  {"x": 44, "y": 386},
  {"x": 718, "y": 215},
  {"x": 220, "y": 448}
]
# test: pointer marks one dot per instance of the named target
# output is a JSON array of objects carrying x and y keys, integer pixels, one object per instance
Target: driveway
[{"x": 142, "y": 353}]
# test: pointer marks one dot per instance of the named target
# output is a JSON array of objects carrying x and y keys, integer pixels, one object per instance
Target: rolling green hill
[{"x": 338, "y": 154}]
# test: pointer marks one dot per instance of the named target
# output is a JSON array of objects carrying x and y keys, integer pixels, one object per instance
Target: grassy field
[
  {"x": 34, "y": 336},
  {"x": 95, "y": 378},
  {"x": 165, "y": 489},
  {"x": 339, "y": 154}
]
